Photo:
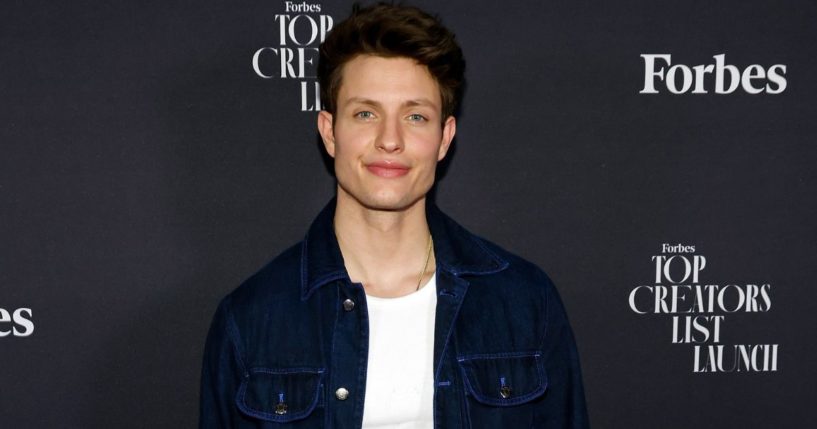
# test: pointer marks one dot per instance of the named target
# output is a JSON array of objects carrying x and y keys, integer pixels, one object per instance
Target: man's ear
[
  {"x": 326, "y": 129},
  {"x": 449, "y": 130}
]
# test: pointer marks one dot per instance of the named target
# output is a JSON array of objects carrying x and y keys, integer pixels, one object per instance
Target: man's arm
[
  {"x": 565, "y": 404},
  {"x": 221, "y": 372}
]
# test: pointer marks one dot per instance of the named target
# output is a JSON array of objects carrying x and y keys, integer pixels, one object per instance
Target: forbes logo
[
  {"x": 20, "y": 321},
  {"x": 680, "y": 79}
]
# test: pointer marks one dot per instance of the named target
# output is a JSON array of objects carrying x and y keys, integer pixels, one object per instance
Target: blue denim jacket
[{"x": 286, "y": 345}]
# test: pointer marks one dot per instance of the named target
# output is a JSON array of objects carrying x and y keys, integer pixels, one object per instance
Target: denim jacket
[{"x": 289, "y": 347}]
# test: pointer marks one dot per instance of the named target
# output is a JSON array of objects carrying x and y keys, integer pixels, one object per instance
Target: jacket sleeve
[
  {"x": 565, "y": 404},
  {"x": 221, "y": 372}
]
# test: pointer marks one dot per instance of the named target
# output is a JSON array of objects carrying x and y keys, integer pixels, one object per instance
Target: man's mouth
[{"x": 387, "y": 169}]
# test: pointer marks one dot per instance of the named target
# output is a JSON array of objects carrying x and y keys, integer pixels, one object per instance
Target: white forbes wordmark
[
  {"x": 680, "y": 79},
  {"x": 20, "y": 318}
]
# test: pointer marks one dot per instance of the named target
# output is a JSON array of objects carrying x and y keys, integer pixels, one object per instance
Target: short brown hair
[{"x": 388, "y": 30}]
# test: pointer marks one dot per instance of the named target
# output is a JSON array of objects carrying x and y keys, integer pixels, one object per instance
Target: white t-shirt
[{"x": 400, "y": 375}]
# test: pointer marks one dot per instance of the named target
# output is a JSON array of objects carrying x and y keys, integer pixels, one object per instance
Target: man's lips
[{"x": 387, "y": 169}]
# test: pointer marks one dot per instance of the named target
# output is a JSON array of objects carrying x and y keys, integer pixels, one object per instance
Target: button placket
[{"x": 348, "y": 351}]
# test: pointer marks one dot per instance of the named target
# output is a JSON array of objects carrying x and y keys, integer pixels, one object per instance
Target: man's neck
[{"x": 384, "y": 250}]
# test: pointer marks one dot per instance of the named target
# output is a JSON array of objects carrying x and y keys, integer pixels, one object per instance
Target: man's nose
[{"x": 390, "y": 137}]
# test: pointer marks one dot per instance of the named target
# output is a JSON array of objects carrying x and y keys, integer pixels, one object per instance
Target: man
[{"x": 389, "y": 314}]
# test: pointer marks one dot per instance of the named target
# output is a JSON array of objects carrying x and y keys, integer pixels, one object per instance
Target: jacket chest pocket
[
  {"x": 283, "y": 396},
  {"x": 503, "y": 389}
]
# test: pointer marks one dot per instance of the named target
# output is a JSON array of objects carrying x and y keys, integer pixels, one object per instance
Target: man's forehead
[{"x": 368, "y": 79}]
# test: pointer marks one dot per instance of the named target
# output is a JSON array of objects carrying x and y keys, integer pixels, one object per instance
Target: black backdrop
[{"x": 147, "y": 168}]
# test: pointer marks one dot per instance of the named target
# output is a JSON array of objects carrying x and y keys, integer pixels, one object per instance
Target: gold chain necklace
[{"x": 425, "y": 266}]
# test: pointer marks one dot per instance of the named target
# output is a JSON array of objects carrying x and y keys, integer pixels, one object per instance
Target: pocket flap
[
  {"x": 280, "y": 395},
  {"x": 504, "y": 379}
]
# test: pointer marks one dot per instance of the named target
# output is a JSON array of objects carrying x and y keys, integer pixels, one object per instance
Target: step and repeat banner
[{"x": 657, "y": 159}]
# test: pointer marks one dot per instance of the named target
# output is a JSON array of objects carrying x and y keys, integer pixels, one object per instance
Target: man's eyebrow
[
  {"x": 407, "y": 103},
  {"x": 419, "y": 102},
  {"x": 361, "y": 100}
]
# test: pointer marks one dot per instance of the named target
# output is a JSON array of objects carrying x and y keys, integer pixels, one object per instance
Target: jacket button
[
  {"x": 280, "y": 408},
  {"x": 342, "y": 394},
  {"x": 505, "y": 392},
  {"x": 348, "y": 305}
]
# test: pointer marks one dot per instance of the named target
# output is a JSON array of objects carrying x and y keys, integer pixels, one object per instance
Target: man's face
[{"x": 386, "y": 135}]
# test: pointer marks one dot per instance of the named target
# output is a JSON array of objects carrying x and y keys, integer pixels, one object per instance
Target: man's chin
[{"x": 389, "y": 203}]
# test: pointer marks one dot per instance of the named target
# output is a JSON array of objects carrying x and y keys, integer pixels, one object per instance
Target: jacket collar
[{"x": 456, "y": 250}]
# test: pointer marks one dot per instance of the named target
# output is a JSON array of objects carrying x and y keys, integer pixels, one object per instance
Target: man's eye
[
  {"x": 416, "y": 117},
  {"x": 364, "y": 115}
]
